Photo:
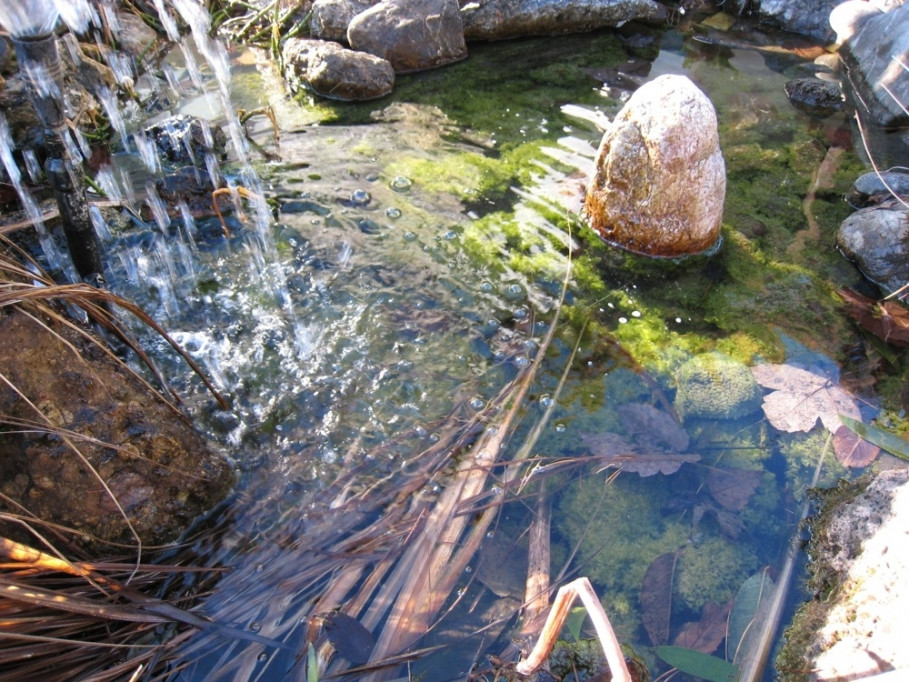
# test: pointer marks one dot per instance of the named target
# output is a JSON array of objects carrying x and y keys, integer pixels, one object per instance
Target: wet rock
[
  {"x": 714, "y": 386},
  {"x": 875, "y": 49},
  {"x": 330, "y": 18},
  {"x": 808, "y": 17},
  {"x": 331, "y": 70},
  {"x": 874, "y": 188},
  {"x": 814, "y": 96},
  {"x": 412, "y": 36},
  {"x": 660, "y": 179},
  {"x": 855, "y": 625},
  {"x": 498, "y": 19},
  {"x": 154, "y": 466},
  {"x": 186, "y": 139},
  {"x": 877, "y": 239}
]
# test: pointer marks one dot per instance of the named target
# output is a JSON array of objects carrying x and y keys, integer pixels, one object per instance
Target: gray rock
[
  {"x": 873, "y": 55},
  {"x": 807, "y": 17},
  {"x": 660, "y": 180},
  {"x": 814, "y": 96},
  {"x": 331, "y": 18},
  {"x": 877, "y": 239},
  {"x": 874, "y": 188},
  {"x": 331, "y": 70},
  {"x": 498, "y": 19},
  {"x": 411, "y": 36}
]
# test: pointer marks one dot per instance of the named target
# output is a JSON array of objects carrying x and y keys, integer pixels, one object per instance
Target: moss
[
  {"x": 712, "y": 571},
  {"x": 802, "y": 452},
  {"x": 715, "y": 386}
]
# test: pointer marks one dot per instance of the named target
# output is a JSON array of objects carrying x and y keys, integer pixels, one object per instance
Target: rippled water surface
[{"x": 410, "y": 269}]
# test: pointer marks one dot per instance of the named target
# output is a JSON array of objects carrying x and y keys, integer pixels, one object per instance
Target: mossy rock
[{"x": 715, "y": 386}]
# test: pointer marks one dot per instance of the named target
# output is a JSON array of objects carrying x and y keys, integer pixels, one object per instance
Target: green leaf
[
  {"x": 746, "y": 613},
  {"x": 875, "y": 435},
  {"x": 695, "y": 663},
  {"x": 574, "y": 621},
  {"x": 312, "y": 664}
]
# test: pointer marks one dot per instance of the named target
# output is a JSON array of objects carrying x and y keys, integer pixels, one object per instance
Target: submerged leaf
[
  {"x": 890, "y": 442},
  {"x": 887, "y": 320},
  {"x": 705, "y": 635},
  {"x": 656, "y": 597},
  {"x": 732, "y": 488},
  {"x": 852, "y": 451},
  {"x": 749, "y": 609},
  {"x": 649, "y": 465},
  {"x": 698, "y": 664},
  {"x": 800, "y": 398},
  {"x": 348, "y": 637},
  {"x": 653, "y": 429}
]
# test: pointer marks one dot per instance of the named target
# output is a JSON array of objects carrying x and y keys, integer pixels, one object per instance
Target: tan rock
[{"x": 660, "y": 179}]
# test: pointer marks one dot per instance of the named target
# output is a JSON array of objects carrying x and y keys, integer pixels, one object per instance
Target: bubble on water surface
[
  {"x": 393, "y": 213},
  {"x": 401, "y": 183},
  {"x": 360, "y": 197}
]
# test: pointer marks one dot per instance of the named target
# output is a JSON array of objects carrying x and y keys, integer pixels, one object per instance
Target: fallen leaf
[
  {"x": 348, "y": 636},
  {"x": 732, "y": 488},
  {"x": 705, "y": 635},
  {"x": 729, "y": 523},
  {"x": 656, "y": 597},
  {"x": 653, "y": 429},
  {"x": 800, "y": 398},
  {"x": 852, "y": 451},
  {"x": 887, "y": 320},
  {"x": 649, "y": 465}
]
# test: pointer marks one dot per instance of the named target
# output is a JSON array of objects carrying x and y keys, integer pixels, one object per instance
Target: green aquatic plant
[{"x": 712, "y": 570}]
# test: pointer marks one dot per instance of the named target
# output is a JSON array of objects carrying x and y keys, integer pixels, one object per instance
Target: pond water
[{"x": 412, "y": 269}]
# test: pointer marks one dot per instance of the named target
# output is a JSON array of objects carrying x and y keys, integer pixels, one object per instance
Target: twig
[{"x": 560, "y": 607}]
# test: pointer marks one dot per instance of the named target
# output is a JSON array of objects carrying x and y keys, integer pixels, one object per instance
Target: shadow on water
[{"x": 419, "y": 243}]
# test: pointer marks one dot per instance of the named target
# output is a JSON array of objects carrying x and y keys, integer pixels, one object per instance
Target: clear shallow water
[{"x": 380, "y": 301}]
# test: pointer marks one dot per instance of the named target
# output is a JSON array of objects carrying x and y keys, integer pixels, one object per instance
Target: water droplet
[
  {"x": 623, "y": 320},
  {"x": 514, "y": 292},
  {"x": 486, "y": 286},
  {"x": 262, "y": 657},
  {"x": 521, "y": 361},
  {"x": 635, "y": 313},
  {"x": 409, "y": 236},
  {"x": 491, "y": 534},
  {"x": 372, "y": 176},
  {"x": 393, "y": 213},
  {"x": 360, "y": 197},
  {"x": 401, "y": 183},
  {"x": 521, "y": 313},
  {"x": 468, "y": 569},
  {"x": 477, "y": 403},
  {"x": 368, "y": 226},
  {"x": 560, "y": 428},
  {"x": 546, "y": 400},
  {"x": 449, "y": 235},
  {"x": 255, "y": 626}
]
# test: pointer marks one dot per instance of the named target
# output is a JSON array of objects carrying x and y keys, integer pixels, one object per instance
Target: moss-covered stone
[{"x": 713, "y": 385}]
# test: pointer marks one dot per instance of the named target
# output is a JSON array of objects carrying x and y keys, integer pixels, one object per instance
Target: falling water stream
[{"x": 381, "y": 291}]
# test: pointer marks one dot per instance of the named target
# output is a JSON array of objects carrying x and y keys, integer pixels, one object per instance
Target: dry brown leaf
[
  {"x": 800, "y": 398},
  {"x": 705, "y": 634},
  {"x": 852, "y": 451}
]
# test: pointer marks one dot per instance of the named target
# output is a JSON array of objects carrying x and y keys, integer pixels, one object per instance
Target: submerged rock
[
  {"x": 874, "y": 188},
  {"x": 331, "y": 70},
  {"x": 715, "y": 386},
  {"x": 186, "y": 139},
  {"x": 815, "y": 96},
  {"x": 412, "y": 36},
  {"x": 498, "y": 19},
  {"x": 137, "y": 457},
  {"x": 660, "y": 179},
  {"x": 877, "y": 239}
]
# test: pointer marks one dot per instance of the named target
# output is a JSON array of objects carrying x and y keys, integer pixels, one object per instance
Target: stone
[
  {"x": 499, "y": 19},
  {"x": 877, "y": 239},
  {"x": 412, "y": 36},
  {"x": 162, "y": 473},
  {"x": 854, "y": 626},
  {"x": 333, "y": 71},
  {"x": 186, "y": 139},
  {"x": 815, "y": 96},
  {"x": 874, "y": 188},
  {"x": 331, "y": 18},
  {"x": 660, "y": 179},
  {"x": 875, "y": 56},
  {"x": 807, "y": 17},
  {"x": 714, "y": 386}
]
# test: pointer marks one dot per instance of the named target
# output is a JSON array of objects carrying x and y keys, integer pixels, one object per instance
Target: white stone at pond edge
[{"x": 660, "y": 180}]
